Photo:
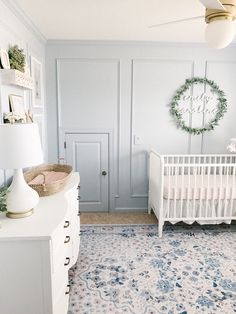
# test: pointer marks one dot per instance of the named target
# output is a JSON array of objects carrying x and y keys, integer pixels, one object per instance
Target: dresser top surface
[{"x": 47, "y": 216}]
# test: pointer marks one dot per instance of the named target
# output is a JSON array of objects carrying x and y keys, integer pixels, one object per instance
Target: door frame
[{"x": 111, "y": 177}]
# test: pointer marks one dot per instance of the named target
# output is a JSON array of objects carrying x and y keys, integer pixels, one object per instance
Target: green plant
[
  {"x": 3, "y": 199},
  {"x": 16, "y": 58}
]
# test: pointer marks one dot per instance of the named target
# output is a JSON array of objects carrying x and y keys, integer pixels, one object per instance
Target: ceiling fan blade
[
  {"x": 178, "y": 21},
  {"x": 213, "y": 4}
]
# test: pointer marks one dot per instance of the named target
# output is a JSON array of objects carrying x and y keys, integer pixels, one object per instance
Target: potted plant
[{"x": 16, "y": 58}]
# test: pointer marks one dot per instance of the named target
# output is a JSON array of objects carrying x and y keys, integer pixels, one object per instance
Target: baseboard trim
[{"x": 129, "y": 210}]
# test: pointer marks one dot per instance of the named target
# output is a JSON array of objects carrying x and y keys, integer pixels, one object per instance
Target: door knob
[{"x": 104, "y": 173}]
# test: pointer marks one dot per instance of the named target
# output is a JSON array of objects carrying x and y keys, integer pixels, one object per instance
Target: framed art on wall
[
  {"x": 37, "y": 75},
  {"x": 5, "y": 63},
  {"x": 17, "y": 106}
]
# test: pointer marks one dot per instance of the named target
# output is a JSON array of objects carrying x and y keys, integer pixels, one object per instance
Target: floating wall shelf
[{"x": 15, "y": 77}]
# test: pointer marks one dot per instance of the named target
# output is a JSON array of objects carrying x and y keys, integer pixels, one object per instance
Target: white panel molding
[
  {"x": 203, "y": 134},
  {"x": 61, "y": 140},
  {"x": 198, "y": 70},
  {"x": 207, "y": 63},
  {"x": 118, "y": 129},
  {"x": 150, "y": 60},
  {"x": 19, "y": 13},
  {"x": 220, "y": 61}
]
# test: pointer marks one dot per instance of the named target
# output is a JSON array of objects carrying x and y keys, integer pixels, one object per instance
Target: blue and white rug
[{"x": 128, "y": 269}]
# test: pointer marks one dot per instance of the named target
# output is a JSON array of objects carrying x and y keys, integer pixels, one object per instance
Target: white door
[{"x": 88, "y": 154}]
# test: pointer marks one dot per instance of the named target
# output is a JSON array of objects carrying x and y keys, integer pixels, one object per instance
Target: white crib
[{"x": 192, "y": 188}]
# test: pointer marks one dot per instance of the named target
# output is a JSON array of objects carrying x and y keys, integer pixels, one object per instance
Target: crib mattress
[{"x": 199, "y": 187}]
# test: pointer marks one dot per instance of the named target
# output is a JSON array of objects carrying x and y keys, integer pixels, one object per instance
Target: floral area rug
[{"x": 128, "y": 269}]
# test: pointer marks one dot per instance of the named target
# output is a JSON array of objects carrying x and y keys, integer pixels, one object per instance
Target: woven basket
[{"x": 46, "y": 189}]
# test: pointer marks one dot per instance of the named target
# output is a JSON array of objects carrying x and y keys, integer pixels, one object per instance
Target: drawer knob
[
  {"x": 67, "y": 239},
  {"x": 67, "y": 223},
  {"x": 78, "y": 213},
  {"x": 68, "y": 289},
  {"x": 67, "y": 262}
]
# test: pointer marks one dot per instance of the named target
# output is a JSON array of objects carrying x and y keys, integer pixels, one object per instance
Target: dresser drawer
[
  {"x": 60, "y": 304},
  {"x": 59, "y": 282},
  {"x": 75, "y": 228},
  {"x": 62, "y": 244},
  {"x": 75, "y": 252},
  {"x": 73, "y": 201}
]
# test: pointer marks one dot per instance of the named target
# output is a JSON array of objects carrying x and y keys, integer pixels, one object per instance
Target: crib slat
[
  {"x": 201, "y": 190},
  {"x": 175, "y": 189},
  {"x": 214, "y": 190},
  {"x": 188, "y": 192},
  {"x": 168, "y": 192},
  {"x": 195, "y": 171},
  {"x": 207, "y": 192},
  {"x": 232, "y": 190},
  {"x": 226, "y": 191},
  {"x": 181, "y": 191},
  {"x": 220, "y": 192}
]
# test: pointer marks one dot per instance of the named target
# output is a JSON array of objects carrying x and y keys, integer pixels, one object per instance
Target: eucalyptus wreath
[{"x": 220, "y": 109}]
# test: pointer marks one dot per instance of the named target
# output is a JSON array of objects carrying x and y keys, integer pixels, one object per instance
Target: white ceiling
[{"x": 116, "y": 19}]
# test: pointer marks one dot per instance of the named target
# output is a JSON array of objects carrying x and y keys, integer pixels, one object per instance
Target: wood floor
[{"x": 107, "y": 218}]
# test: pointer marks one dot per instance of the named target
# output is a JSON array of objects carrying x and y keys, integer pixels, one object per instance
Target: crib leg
[
  {"x": 160, "y": 227},
  {"x": 149, "y": 208},
  {"x": 149, "y": 203}
]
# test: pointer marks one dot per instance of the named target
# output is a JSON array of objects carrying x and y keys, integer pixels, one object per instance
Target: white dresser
[{"x": 36, "y": 253}]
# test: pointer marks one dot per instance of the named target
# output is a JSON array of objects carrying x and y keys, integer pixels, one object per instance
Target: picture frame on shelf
[
  {"x": 37, "y": 75},
  {"x": 4, "y": 57},
  {"x": 17, "y": 106}
]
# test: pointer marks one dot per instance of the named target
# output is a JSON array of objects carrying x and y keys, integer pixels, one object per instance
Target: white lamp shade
[
  {"x": 220, "y": 33},
  {"x": 20, "y": 146}
]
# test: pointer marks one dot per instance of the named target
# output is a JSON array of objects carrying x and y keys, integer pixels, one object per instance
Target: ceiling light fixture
[{"x": 220, "y": 30}]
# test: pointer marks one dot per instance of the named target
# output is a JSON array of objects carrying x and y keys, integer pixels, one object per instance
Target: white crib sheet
[{"x": 216, "y": 186}]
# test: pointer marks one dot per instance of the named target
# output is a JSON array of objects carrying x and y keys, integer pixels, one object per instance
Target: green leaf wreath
[{"x": 221, "y": 105}]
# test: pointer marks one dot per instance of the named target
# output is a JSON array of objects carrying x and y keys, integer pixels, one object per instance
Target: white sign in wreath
[{"x": 212, "y": 104}]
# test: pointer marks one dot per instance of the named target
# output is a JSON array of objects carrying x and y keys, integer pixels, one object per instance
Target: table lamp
[{"x": 20, "y": 147}]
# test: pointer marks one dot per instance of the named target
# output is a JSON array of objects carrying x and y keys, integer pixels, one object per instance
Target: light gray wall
[
  {"x": 16, "y": 29},
  {"x": 127, "y": 87}
]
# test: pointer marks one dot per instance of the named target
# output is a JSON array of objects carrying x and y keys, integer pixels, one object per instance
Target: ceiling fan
[{"x": 219, "y": 17}]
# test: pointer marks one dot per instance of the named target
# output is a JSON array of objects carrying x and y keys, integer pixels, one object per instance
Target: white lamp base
[{"x": 21, "y": 199}]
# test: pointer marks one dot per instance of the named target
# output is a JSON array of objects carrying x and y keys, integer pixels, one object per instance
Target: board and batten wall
[
  {"x": 16, "y": 29},
  {"x": 125, "y": 88}
]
